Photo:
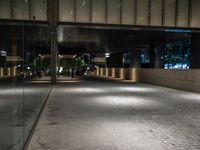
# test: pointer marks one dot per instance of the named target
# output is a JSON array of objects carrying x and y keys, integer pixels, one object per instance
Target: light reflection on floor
[
  {"x": 109, "y": 115},
  {"x": 128, "y": 101}
]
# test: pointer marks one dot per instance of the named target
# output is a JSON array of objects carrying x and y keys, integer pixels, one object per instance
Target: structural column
[
  {"x": 136, "y": 58},
  {"x": 157, "y": 55},
  {"x": 152, "y": 56},
  {"x": 53, "y": 19}
]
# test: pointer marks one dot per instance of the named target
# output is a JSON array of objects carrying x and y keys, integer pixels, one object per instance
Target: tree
[{"x": 70, "y": 64}]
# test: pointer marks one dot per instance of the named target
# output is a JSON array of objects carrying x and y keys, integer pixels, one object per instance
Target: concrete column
[
  {"x": 159, "y": 55},
  {"x": 195, "y": 51},
  {"x": 136, "y": 58},
  {"x": 52, "y": 11},
  {"x": 152, "y": 56},
  {"x": 156, "y": 55},
  {"x": 54, "y": 53},
  {"x": 115, "y": 60}
]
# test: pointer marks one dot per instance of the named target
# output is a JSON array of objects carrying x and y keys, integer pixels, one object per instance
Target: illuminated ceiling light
[
  {"x": 60, "y": 56},
  {"x": 177, "y": 30},
  {"x": 70, "y": 81},
  {"x": 3, "y": 53},
  {"x": 107, "y": 55}
]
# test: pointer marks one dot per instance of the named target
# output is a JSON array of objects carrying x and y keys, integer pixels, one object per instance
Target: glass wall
[
  {"x": 24, "y": 69},
  {"x": 177, "y": 55}
]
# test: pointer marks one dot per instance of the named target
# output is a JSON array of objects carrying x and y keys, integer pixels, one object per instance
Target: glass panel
[
  {"x": 5, "y": 10},
  {"x": 169, "y": 17},
  {"x": 183, "y": 13},
  {"x": 99, "y": 11},
  {"x": 177, "y": 55},
  {"x": 21, "y": 9},
  {"x": 156, "y": 13},
  {"x": 113, "y": 12},
  {"x": 11, "y": 95},
  {"x": 22, "y": 92},
  {"x": 67, "y": 10},
  {"x": 128, "y": 11},
  {"x": 142, "y": 12},
  {"x": 195, "y": 21},
  {"x": 83, "y": 10},
  {"x": 37, "y": 72},
  {"x": 39, "y": 10}
]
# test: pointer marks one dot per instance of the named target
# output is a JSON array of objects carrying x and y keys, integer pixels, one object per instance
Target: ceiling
[
  {"x": 97, "y": 40},
  {"x": 75, "y": 39}
]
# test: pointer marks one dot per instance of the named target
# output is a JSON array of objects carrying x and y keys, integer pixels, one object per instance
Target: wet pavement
[{"x": 100, "y": 114}]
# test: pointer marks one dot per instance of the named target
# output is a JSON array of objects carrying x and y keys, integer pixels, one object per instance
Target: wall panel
[
  {"x": 170, "y": 13},
  {"x": 39, "y": 10},
  {"x": 83, "y": 11},
  {"x": 142, "y": 12},
  {"x": 99, "y": 11},
  {"x": 156, "y": 13},
  {"x": 5, "y": 9},
  {"x": 186, "y": 79},
  {"x": 67, "y": 10},
  {"x": 195, "y": 20},
  {"x": 128, "y": 11},
  {"x": 113, "y": 11},
  {"x": 183, "y": 13},
  {"x": 21, "y": 9}
]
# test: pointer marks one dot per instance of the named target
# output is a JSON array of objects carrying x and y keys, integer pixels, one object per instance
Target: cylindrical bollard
[
  {"x": 8, "y": 72},
  {"x": 1, "y": 72}
]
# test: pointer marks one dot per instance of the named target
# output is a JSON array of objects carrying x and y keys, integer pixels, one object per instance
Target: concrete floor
[{"x": 99, "y": 114}]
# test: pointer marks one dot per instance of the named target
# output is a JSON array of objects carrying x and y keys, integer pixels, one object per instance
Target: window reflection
[{"x": 21, "y": 95}]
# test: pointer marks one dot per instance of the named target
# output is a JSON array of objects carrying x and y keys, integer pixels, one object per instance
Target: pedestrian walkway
[{"x": 100, "y": 114}]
